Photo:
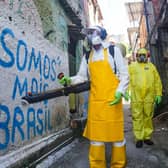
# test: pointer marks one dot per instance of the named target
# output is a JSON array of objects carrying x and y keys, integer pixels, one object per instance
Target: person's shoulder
[
  {"x": 133, "y": 64},
  {"x": 106, "y": 44},
  {"x": 151, "y": 64}
]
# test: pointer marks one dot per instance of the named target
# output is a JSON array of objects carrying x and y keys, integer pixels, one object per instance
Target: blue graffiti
[
  {"x": 18, "y": 56},
  {"x": 22, "y": 88},
  {"x": 17, "y": 124},
  {"x": 31, "y": 121},
  {"x": 37, "y": 122},
  {"x": 4, "y": 126},
  {"x": 26, "y": 60},
  {"x": 36, "y": 60},
  {"x": 45, "y": 66},
  {"x": 53, "y": 75},
  {"x": 4, "y": 63},
  {"x": 40, "y": 127}
]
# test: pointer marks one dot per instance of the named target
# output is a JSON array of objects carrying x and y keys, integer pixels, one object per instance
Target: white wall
[{"x": 28, "y": 62}]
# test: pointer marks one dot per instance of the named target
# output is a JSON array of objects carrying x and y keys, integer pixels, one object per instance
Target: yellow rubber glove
[
  {"x": 118, "y": 97},
  {"x": 158, "y": 99}
]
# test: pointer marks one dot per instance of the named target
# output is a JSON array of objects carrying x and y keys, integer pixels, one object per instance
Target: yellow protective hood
[{"x": 142, "y": 51}]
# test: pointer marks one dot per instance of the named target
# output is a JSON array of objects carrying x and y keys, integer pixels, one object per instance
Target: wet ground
[{"x": 147, "y": 157}]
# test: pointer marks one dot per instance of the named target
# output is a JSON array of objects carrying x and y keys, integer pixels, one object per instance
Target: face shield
[{"x": 93, "y": 35}]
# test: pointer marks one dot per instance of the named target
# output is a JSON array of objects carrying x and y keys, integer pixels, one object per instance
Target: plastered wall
[{"x": 33, "y": 51}]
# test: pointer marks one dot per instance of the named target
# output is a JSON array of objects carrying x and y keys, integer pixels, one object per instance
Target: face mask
[
  {"x": 94, "y": 37},
  {"x": 142, "y": 58},
  {"x": 96, "y": 40}
]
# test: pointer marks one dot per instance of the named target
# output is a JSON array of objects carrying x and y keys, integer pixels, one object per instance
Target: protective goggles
[
  {"x": 141, "y": 55},
  {"x": 92, "y": 31}
]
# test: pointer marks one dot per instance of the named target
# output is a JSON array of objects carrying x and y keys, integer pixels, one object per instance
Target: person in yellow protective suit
[
  {"x": 146, "y": 91},
  {"x": 105, "y": 122}
]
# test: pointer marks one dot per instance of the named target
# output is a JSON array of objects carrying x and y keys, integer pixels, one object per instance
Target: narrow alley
[
  {"x": 63, "y": 62},
  {"x": 76, "y": 156}
]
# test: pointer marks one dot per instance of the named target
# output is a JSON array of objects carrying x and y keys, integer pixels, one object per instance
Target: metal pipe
[
  {"x": 57, "y": 148},
  {"x": 148, "y": 30},
  {"x": 146, "y": 16}
]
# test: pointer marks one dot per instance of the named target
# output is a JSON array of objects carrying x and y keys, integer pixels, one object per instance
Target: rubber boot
[
  {"x": 118, "y": 159},
  {"x": 97, "y": 156}
]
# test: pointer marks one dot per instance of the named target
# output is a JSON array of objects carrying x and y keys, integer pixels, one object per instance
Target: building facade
[
  {"x": 38, "y": 40},
  {"x": 157, "y": 23},
  {"x": 151, "y": 31}
]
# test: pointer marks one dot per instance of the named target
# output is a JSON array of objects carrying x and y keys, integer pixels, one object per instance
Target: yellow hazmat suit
[{"x": 145, "y": 85}]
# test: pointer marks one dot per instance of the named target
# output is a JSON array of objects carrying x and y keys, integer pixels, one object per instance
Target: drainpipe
[
  {"x": 147, "y": 27},
  {"x": 146, "y": 16}
]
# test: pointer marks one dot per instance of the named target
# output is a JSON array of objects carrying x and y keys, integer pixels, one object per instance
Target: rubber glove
[
  {"x": 65, "y": 81},
  {"x": 126, "y": 96},
  {"x": 158, "y": 99},
  {"x": 118, "y": 97}
]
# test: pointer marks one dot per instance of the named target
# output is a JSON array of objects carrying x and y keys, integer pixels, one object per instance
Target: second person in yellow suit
[
  {"x": 105, "y": 122},
  {"x": 146, "y": 91}
]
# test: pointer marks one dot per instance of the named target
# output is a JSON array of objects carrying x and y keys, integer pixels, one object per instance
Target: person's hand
[
  {"x": 126, "y": 96},
  {"x": 65, "y": 81},
  {"x": 158, "y": 99},
  {"x": 118, "y": 97}
]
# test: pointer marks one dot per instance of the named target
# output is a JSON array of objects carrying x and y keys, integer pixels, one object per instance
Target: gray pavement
[{"x": 147, "y": 157}]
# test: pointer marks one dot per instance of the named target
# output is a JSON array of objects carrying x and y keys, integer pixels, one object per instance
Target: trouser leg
[
  {"x": 148, "y": 124},
  {"x": 97, "y": 155},
  {"x": 137, "y": 119},
  {"x": 118, "y": 157}
]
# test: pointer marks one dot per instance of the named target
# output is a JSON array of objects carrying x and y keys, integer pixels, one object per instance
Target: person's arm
[
  {"x": 157, "y": 83},
  {"x": 82, "y": 74},
  {"x": 122, "y": 74},
  {"x": 122, "y": 71}
]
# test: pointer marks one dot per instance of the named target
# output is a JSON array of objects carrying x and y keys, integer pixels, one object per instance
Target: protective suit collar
[{"x": 105, "y": 44}]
